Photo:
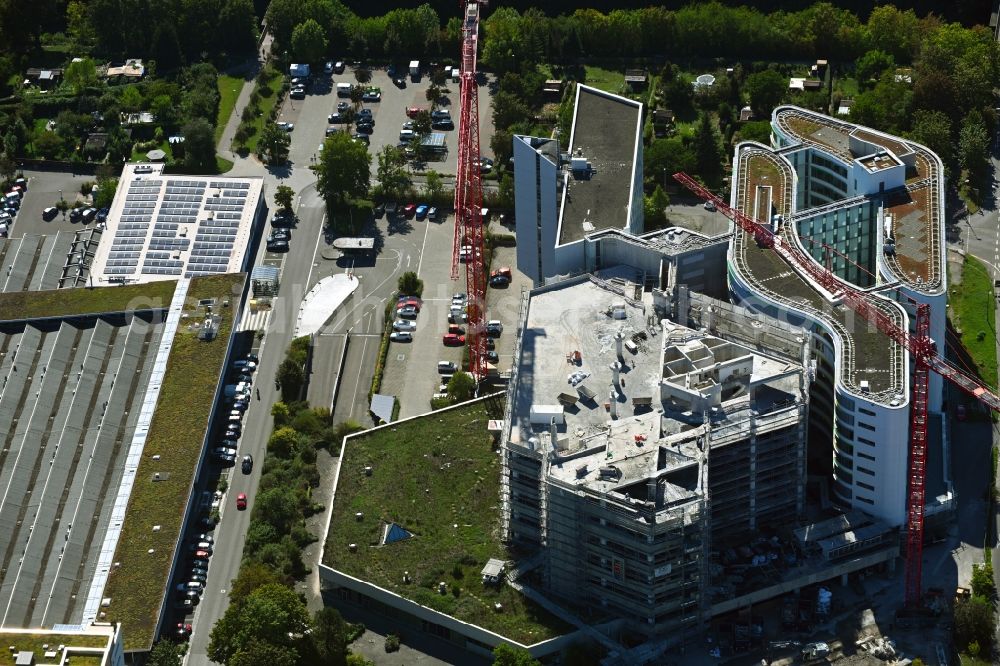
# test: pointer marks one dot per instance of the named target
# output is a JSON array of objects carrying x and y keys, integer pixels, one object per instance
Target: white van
[
  {"x": 343, "y": 90},
  {"x": 406, "y": 135}
]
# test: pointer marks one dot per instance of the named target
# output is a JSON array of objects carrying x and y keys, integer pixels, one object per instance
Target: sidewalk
[{"x": 226, "y": 140}]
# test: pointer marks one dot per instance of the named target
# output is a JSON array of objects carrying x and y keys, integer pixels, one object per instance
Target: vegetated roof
[
  {"x": 176, "y": 434},
  {"x": 868, "y": 359},
  {"x": 605, "y": 131},
  {"x": 82, "y": 300},
  {"x": 439, "y": 476}
]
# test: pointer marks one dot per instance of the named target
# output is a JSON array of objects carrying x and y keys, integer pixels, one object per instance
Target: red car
[
  {"x": 413, "y": 111},
  {"x": 241, "y": 501},
  {"x": 410, "y": 210},
  {"x": 453, "y": 340},
  {"x": 409, "y": 302},
  {"x": 184, "y": 631}
]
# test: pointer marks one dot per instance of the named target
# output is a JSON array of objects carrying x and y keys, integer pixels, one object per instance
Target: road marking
[
  {"x": 422, "y": 245},
  {"x": 361, "y": 367},
  {"x": 399, "y": 262},
  {"x": 308, "y": 284}
]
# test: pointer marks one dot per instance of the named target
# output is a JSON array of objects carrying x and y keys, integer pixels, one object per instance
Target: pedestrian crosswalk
[{"x": 255, "y": 320}]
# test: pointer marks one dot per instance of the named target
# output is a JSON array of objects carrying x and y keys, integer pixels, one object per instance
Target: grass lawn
[
  {"x": 140, "y": 155},
  {"x": 604, "y": 79},
  {"x": 229, "y": 90},
  {"x": 973, "y": 307},
  {"x": 438, "y": 477},
  {"x": 82, "y": 300},
  {"x": 136, "y": 588},
  {"x": 265, "y": 105}
]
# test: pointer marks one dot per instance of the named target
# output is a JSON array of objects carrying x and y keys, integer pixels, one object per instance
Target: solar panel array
[{"x": 180, "y": 203}]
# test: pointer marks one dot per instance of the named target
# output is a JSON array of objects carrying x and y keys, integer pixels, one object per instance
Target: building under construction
[{"x": 634, "y": 446}]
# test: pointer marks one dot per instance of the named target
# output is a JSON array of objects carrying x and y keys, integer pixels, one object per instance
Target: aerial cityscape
[{"x": 481, "y": 332}]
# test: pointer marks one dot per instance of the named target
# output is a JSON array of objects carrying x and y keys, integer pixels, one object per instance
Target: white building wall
[{"x": 536, "y": 213}]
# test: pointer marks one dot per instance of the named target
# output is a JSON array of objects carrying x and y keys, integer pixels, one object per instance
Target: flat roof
[
  {"x": 162, "y": 227},
  {"x": 63, "y": 451},
  {"x": 91, "y": 644},
  {"x": 917, "y": 228},
  {"x": 50, "y": 261},
  {"x": 866, "y": 360},
  {"x": 606, "y": 132},
  {"x": 572, "y": 317},
  {"x": 437, "y": 476}
]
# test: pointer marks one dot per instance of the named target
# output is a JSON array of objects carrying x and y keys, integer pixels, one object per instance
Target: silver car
[{"x": 404, "y": 325}]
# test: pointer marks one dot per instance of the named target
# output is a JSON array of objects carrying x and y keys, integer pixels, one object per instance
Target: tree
[
  {"x": 81, "y": 74},
  {"x": 48, "y": 144},
  {"x": 273, "y": 144},
  {"x": 508, "y": 655},
  {"x": 872, "y": 65},
  {"x": 422, "y": 126},
  {"x": 973, "y": 622},
  {"x": 260, "y": 653},
  {"x": 329, "y": 636},
  {"x": 308, "y": 42},
  {"x": 433, "y": 185},
  {"x": 756, "y": 130},
  {"x": 654, "y": 209},
  {"x": 982, "y": 580},
  {"x": 278, "y": 507},
  {"x": 973, "y": 142},
  {"x": 766, "y": 90},
  {"x": 665, "y": 157},
  {"x": 283, "y": 442},
  {"x": 460, "y": 386},
  {"x": 237, "y": 26},
  {"x": 199, "y": 146},
  {"x": 707, "y": 149},
  {"x": 251, "y": 576},
  {"x": 165, "y": 653},
  {"x": 269, "y": 614},
  {"x": 933, "y": 129},
  {"x": 164, "y": 109},
  {"x": 505, "y": 194},
  {"x": 290, "y": 378},
  {"x": 343, "y": 171},
  {"x": 410, "y": 285},
  {"x": 280, "y": 413},
  {"x": 393, "y": 178},
  {"x": 131, "y": 99},
  {"x": 283, "y": 197},
  {"x": 362, "y": 75},
  {"x": 433, "y": 94},
  {"x": 105, "y": 192}
]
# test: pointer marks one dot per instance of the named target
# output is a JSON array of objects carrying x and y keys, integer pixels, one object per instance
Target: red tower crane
[
  {"x": 468, "y": 243},
  {"x": 919, "y": 344}
]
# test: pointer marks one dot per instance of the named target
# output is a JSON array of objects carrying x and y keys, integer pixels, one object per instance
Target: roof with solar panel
[{"x": 162, "y": 227}]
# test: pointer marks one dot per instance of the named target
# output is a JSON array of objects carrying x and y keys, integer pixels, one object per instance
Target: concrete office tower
[{"x": 632, "y": 445}]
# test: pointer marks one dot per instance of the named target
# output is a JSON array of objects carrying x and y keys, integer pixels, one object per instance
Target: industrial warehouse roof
[
  {"x": 163, "y": 227},
  {"x": 607, "y": 133}
]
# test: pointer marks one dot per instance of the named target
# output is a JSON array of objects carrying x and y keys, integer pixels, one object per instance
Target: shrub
[
  {"x": 86, "y": 187},
  {"x": 391, "y": 643}
]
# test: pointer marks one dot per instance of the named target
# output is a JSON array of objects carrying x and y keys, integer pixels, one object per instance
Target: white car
[
  {"x": 328, "y": 67},
  {"x": 401, "y": 336},
  {"x": 287, "y": 127},
  {"x": 404, "y": 325}
]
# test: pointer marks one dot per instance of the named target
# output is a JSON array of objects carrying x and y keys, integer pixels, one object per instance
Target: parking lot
[{"x": 44, "y": 190}]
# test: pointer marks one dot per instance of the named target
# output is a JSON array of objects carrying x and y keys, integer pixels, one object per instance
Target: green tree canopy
[
  {"x": 343, "y": 171},
  {"x": 81, "y": 74},
  {"x": 283, "y": 197},
  {"x": 252, "y": 575},
  {"x": 707, "y": 149},
  {"x": 654, "y": 208},
  {"x": 290, "y": 378},
  {"x": 330, "y": 633},
  {"x": 460, "y": 386},
  {"x": 269, "y": 615},
  {"x": 766, "y": 90},
  {"x": 933, "y": 129},
  {"x": 508, "y": 655},
  {"x": 973, "y": 622},
  {"x": 199, "y": 146},
  {"x": 433, "y": 185},
  {"x": 873, "y": 64},
  {"x": 261, "y": 653},
  {"x": 165, "y": 653},
  {"x": 393, "y": 178},
  {"x": 973, "y": 143},
  {"x": 308, "y": 42},
  {"x": 283, "y": 442},
  {"x": 273, "y": 144},
  {"x": 410, "y": 285}
]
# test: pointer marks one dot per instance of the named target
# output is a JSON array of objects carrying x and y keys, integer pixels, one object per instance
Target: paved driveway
[{"x": 44, "y": 189}]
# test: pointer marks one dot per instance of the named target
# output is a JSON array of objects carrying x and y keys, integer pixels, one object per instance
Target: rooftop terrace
[
  {"x": 606, "y": 129},
  {"x": 916, "y": 212},
  {"x": 437, "y": 477},
  {"x": 88, "y": 645},
  {"x": 865, "y": 358}
]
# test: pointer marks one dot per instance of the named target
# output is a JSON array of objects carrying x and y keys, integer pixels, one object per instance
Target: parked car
[
  {"x": 414, "y": 111},
  {"x": 75, "y": 215},
  {"x": 446, "y": 367},
  {"x": 401, "y": 336},
  {"x": 183, "y": 631},
  {"x": 278, "y": 246},
  {"x": 709, "y": 205},
  {"x": 494, "y": 327},
  {"x": 485, "y": 165},
  {"x": 102, "y": 214},
  {"x": 443, "y": 124},
  {"x": 440, "y": 114},
  {"x": 338, "y": 67},
  {"x": 404, "y": 325},
  {"x": 287, "y": 127},
  {"x": 432, "y": 213},
  {"x": 284, "y": 218},
  {"x": 279, "y": 235},
  {"x": 409, "y": 210},
  {"x": 202, "y": 554},
  {"x": 408, "y": 301},
  {"x": 49, "y": 213},
  {"x": 364, "y": 128},
  {"x": 409, "y": 124},
  {"x": 336, "y": 118},
  {"x": 409, "y": 312},
  {"x": 343, "y": 106},
  {"x": 247, "y": 464},
  {"x": 241, "y": 501},
  {"x": 497, "y": 280},
  {"x": 452, "y": 340},
  {"x": 455, "y": 329},
  {"x": 362, "y": 138},
  {"x": 328, "y": 67},
  {"x": 245, "y": 363},
  {"x": 372, "y": 95},
  {"x": 399, "y": 82},
  {"x": 492, "y": 357},
  {"x": 421, "y": 211},
  {"x": 297, "y": 93},
  {"x": 459, "y": 298}
]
